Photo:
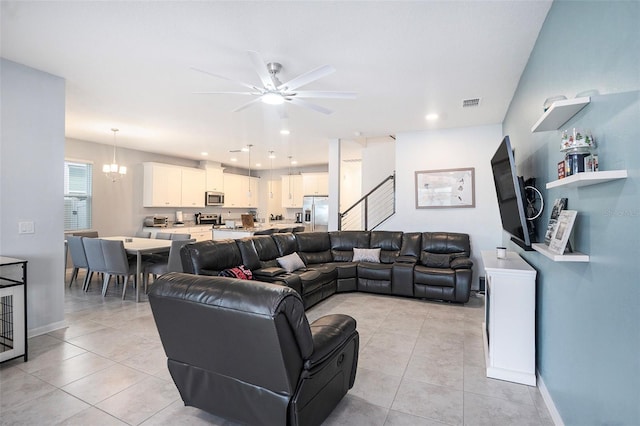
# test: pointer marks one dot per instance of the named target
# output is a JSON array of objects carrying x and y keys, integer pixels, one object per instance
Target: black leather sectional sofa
[{"x": 432, "y": 265}]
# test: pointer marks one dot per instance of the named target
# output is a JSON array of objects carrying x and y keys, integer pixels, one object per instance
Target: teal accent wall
[{"x": 588, "y": 314}]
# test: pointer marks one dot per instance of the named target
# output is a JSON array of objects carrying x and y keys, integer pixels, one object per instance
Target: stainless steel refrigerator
[{"x": 315, "y": 213}]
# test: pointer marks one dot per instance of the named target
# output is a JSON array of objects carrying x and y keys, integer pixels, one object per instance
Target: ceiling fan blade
[
  {"x": 250, "y": 86},
  {"x": 247, "y": 105},
  {"x": 261, "y": 68},
  {"x": 307, "y": 77},
  {"x": 227, "y": 93},
  {"x": 320, "y": 94},
  {"x": 309, "y": 105}
]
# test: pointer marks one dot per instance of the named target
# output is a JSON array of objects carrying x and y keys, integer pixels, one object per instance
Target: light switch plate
[{"x": 25, "y": 228}]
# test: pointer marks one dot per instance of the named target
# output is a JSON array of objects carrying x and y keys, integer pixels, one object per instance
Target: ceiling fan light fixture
[{"x": 272, "y": 98}]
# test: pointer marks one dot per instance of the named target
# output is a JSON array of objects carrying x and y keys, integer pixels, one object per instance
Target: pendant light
[
  {"x": 249, "y": 180},
  {"x": 114, "y": 171},
  {"x": 290, "y": 195},
  {"x": 271, "y": 157}
]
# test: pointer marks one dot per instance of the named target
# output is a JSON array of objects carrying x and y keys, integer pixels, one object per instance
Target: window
[{"x": 77, "y": 195}]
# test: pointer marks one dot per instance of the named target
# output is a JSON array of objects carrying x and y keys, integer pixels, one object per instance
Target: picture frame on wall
[{"x": 446, "y": 188}]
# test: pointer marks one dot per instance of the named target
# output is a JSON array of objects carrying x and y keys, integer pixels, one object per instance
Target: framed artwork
[
  {"x": 444, "y": 189},
  {"x": 563, "y": 228}
]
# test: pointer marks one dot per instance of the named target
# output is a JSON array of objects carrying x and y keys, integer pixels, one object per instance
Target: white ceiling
[{"x": 128, "y": 65}]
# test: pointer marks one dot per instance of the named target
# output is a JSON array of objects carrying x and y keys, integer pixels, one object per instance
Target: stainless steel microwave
[{"x": 214, "y": 198}]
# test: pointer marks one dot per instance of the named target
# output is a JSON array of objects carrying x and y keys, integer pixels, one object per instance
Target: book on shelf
[
  {"x": 559, "y": 205},
  {"x": 562, "y": 232}
]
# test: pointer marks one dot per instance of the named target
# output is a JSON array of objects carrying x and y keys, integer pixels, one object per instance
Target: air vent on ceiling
[{"x": 466, "y": 103}]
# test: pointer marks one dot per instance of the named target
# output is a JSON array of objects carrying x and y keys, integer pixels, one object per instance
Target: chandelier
[{"x": 114, "y": 171}]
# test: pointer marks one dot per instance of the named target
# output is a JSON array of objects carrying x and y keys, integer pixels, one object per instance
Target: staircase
[{"x": 371, "y": 210}]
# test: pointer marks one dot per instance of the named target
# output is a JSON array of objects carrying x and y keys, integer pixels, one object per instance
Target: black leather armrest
[
  {"x": 406, "y": 259},
  {"x": 268, "y": 272},
  {"x": 329, "y": 333},
  {"x": 461, "y": 263}
]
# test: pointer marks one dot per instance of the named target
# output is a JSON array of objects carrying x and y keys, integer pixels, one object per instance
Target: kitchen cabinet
[
  {"x": 240, "y": 191},
  {"x": 215, "y": 180},
  {"x": 193, "y": 187},
  {"x": 162, "y": 185},
  {"x": 509, "y": 330},
  {"x": 292, "y": 192},
  {"x": 315, "y": 184},
  {"x": 166, "y": 185}
]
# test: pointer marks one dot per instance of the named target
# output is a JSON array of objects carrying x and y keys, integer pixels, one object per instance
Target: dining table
[{"x": 139, "y": 247}]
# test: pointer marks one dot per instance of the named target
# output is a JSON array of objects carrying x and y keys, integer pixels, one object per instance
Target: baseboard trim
[
  {"x": 33, "y": 332},
  {"x": 553, "y": 411}
]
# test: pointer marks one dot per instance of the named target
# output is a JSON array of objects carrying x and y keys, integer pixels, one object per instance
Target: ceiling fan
[{"x": 274, "y": 92}]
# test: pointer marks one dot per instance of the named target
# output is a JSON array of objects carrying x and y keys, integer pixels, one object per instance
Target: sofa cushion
[
  {"x": 291, "y": 262},
  {"x": 446, "y": 242},
  {"x": 435, "y": 260},
  {"x": 343, "y": 243},
  {"x": 285, "y": 242},
  {"x": 374, "y": 271},
  {"x": 411, "y": 244},
  {"x": 366, "y": 255},
  {"x": 210, "y": 256},
  {"x": 249, "y": 253},
  {"x": 390, "y": 243},
  {"x": 437, "y": 277},
  {"x": 314, "y": 247}
]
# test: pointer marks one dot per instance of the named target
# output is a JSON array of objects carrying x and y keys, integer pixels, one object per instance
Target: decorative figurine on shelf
[{"x": 579, "y": 148}]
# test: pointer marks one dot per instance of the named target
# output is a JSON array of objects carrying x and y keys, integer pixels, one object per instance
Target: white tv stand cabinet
[{"x": 510, "y": 316}]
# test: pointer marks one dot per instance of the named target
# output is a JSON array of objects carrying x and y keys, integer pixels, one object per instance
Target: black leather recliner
[{"x": 244, "y": 350}]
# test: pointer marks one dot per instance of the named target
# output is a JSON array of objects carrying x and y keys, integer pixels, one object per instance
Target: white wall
[
  {"x": 31, "y": 188},
  {"x": 448, "y": 149},
  {"x": 378, "y": 162}
]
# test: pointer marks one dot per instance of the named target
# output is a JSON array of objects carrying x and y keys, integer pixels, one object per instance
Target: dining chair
[
  {"x": 78, "y": 258},
  {"x": 143, "y": 234},
  {"x": 163, "y": 235},
  {"x": 117, "y": 264},
  {"x": 173, "y": 262},
  {"x": 298, "y": 229},
  {"x": 180, "y": 237},
  {"x": 283, "y": 230},
  {"x": 95, "y": 259}
]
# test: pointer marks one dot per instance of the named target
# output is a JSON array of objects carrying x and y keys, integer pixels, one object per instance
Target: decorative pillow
[
  {"x": 291, "y": 262},
  {"x": 435, "y": 260},
  {"x": 366, "y": 255},
  {"x": 241, "y": 272}
]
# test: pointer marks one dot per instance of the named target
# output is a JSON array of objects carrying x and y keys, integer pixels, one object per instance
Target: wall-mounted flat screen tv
[{"x": 511, "y": 195}]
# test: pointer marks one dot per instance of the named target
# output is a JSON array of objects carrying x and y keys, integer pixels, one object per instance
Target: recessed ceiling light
[
  {"x": 204, "y": 154},
  {"x": 285, "y": 132},
  {"x": 234, "y": 159},
  {"x": 431, "y": 117}
]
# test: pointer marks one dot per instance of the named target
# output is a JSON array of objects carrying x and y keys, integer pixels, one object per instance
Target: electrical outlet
[{"x": 26, "y": 228}]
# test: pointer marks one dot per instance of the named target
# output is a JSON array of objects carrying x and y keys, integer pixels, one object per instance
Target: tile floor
[{"x": 421, "y": 363}]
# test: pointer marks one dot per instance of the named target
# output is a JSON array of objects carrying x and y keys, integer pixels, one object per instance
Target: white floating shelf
[
  {"x": 567, "y": 257},
  {"x": 588, "y": 178},
  {"x": 559, "y": 113}
]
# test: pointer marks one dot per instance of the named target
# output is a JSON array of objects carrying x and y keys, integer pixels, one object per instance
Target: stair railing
[{"x": 372, "y": 209}]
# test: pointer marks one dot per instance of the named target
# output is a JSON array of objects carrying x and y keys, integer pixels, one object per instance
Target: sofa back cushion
[
  {"x": 411, "y": 244},
  {"x": 285, "y": 242},
  {"x": 210, "y": 257},
  {"x": 248, "y": 252},
  {"x": 314, "y": 247},
  {"x": 267, "y": 250},
  {"x": 455, "y": 244},
  {"x": 388, "y": 242},
  {"x": 343, "y": 243}
]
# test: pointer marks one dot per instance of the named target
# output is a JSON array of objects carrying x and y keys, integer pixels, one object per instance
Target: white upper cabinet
[
  {"x": 215, "y": 180},
  {"x": 166, "y": 185},
  {"x": 292, "y": 191},
  {"x": 315, "y": 183},
  {"x": 162, "y": 185},
  {"x": 240, "y": 191},
  {"x": 193, "y": 187}
]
